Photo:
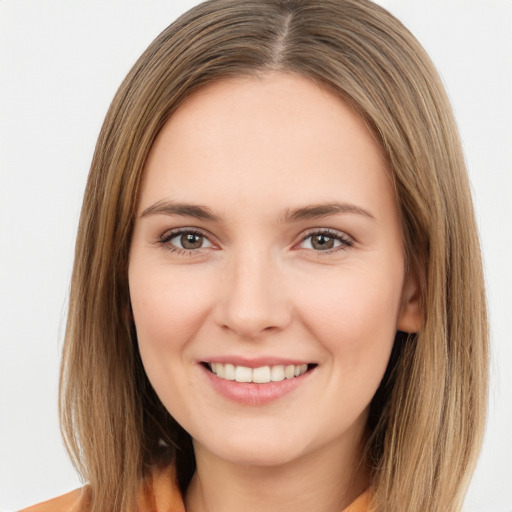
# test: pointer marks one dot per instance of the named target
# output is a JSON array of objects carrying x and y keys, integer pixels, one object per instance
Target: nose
[{"x": 253, "y": 298}]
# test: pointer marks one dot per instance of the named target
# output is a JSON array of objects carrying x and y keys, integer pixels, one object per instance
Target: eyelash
[
  {"x": 346, "y": 242},
  {"x": 164, "y": 241}
]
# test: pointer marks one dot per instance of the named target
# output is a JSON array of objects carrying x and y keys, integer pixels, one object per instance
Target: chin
[{"x": 255, "y": 450}]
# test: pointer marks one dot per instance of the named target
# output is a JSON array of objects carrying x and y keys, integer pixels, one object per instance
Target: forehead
[{"x": 270, "y": 136}]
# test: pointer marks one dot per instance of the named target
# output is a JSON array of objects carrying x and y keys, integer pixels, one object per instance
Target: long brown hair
[{"x": 427, "y": 418}]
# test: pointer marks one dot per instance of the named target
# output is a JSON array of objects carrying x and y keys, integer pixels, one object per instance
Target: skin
[{"x": 250, "y": 150}]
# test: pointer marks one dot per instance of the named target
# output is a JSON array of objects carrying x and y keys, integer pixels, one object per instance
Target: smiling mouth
[{"x": 260, "y": 375}]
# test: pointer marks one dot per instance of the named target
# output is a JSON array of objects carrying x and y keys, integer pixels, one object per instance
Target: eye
[
  {"x": 185, "y": 241},
  {"x": 326, "y": 241}
]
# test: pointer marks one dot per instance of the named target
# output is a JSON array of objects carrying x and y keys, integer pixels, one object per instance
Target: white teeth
[
  {"x": 289, "y": 371},
  {"x": 243, "y": 374},
  {"x": 260, "y": 375},
  {"x": 229, "y": 371},
  {"x": 219, "y": 370},
  {"x": 277, "y": 373}
]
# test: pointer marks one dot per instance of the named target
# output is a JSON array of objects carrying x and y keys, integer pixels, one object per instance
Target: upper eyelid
[
  {"x": 171, "y": 233},
  {"x": 345, "y": 242},
  {"x": 335, "y": 233},
  {"x": 165, "y": 238}
]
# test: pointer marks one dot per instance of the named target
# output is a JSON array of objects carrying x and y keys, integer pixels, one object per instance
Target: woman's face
[{"x": 267, "y": 271}]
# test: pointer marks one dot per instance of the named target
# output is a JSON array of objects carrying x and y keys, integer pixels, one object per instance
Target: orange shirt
[{"x": 164, "y": 496}]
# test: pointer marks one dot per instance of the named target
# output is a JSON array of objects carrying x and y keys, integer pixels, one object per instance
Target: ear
[{"x": 410, "y": 318}]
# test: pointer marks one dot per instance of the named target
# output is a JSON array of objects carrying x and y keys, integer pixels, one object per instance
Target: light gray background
[{"x": 60, "y": 64}]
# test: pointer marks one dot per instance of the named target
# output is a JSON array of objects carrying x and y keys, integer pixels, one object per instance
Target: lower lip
[{"x": 251, "y": 393}]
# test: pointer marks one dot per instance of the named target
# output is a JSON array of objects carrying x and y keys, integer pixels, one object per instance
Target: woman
[{"x": 270, "y": 299}]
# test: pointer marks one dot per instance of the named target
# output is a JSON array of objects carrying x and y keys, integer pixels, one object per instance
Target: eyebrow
[
  {"x": 315, "y": 211},
  {"x": 182, "y": 209}
]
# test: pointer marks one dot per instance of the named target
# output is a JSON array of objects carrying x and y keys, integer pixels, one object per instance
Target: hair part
[{"x": 427, "y": 418}]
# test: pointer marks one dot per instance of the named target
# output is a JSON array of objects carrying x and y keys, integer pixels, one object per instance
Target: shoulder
[
  {"x": 159, "y": 493},
  {"x": 70, "y": 502},
  {"x": 361, "y": 504}
]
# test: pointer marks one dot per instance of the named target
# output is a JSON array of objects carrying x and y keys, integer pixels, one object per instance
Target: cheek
[
  {"x": 167, "y": 306},
  {"x": 353, "y": 314},
  {"x": 168, "y": 310}
]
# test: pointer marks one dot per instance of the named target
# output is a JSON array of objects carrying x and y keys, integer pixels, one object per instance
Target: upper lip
[{"x": 256, "y": 362}]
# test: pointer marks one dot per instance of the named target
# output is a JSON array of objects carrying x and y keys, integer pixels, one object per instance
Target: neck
[{"x": 326, "y": 480}]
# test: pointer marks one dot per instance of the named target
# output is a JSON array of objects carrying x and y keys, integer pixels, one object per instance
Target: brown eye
[
  {"x": 191, "y": 241},
  {"x": 326, "y": 241},
  {"x": 186, "y": 240},
  {"x": 322, "y": 242}
]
